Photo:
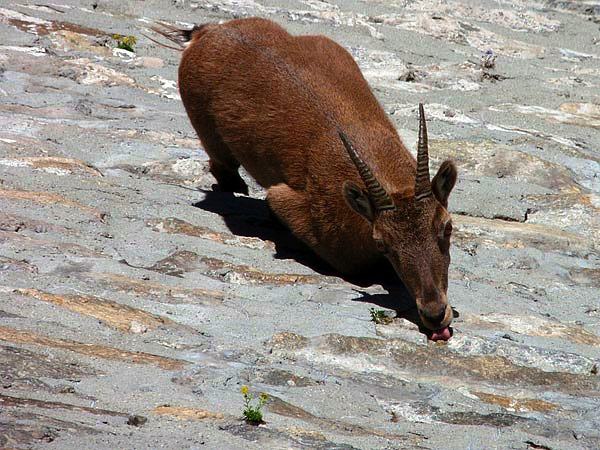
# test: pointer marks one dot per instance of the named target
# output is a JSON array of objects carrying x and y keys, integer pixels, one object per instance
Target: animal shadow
[{"x": 251, "y": 217}]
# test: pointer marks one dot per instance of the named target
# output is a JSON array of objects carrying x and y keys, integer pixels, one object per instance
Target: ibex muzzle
[{"x": 297, "y": 113}]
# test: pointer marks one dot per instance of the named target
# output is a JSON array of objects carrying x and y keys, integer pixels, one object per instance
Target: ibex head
[{"x": 413, "y": 232}]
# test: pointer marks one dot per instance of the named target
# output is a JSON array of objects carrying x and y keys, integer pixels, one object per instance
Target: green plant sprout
[
  {"x": 379, "y": 316},
  {"x": 125, "y": 42},
  {"x": 252, "y": 413}
]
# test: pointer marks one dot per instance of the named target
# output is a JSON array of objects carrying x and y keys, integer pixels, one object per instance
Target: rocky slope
[{"x": 130, "y": 288}]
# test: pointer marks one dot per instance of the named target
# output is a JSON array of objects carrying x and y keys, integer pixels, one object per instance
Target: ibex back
[{"x": 297, "y": 113}]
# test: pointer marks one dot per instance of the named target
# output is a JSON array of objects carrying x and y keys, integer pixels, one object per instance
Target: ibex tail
[{"x": 179, "y": 36}]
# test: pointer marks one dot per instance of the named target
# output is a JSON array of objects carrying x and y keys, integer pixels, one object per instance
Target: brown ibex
[{"x": 296, "y": 112}]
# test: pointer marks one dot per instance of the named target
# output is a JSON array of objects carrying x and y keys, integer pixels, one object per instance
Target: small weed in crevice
[
  {"x": 253, "y": 412},
  {"x": 379, "y": 316},
  {"x": 125, "y": 42}
]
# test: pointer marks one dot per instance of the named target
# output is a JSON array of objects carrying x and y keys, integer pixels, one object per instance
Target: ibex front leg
[{"x": 292, "y": 210}]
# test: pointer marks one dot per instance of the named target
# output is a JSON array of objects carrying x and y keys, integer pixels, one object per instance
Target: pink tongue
[{"x": 441, "y": 335}]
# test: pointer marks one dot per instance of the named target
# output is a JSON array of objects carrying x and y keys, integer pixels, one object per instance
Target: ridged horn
[
  {"x": 379, "y": 197},
  {"x": 422, "y": 180}
]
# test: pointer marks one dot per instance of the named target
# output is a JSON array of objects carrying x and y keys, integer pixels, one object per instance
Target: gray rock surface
[{"x": 131, "y": 290}]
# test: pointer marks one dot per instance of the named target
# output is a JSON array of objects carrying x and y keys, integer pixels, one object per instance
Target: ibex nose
[{"x": 434, "y": 315}]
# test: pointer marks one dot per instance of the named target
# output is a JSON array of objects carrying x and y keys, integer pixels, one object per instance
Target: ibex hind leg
[
  {"x": 223, "y": 165},
  {"x": 227, "y": 176}
]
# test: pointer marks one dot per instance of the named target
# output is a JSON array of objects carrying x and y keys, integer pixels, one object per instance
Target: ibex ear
[
  {"x": 358, "y": 200},
  {"x": 444, "y": 181}
]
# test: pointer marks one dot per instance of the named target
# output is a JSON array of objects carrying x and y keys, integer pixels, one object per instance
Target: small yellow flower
[
  {"x": 244, "y": 390},
  {"x": 264, "y": 397},
  {"x": 129, "y": 40}
]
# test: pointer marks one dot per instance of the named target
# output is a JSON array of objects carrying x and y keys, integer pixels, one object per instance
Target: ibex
[{"x": 296, "y": 112}]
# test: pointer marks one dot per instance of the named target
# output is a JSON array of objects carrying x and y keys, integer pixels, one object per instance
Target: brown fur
[{"x": 274, "y": 103}]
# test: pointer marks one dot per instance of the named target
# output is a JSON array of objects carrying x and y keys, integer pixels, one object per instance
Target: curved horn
[
  {"x": 422, "y": 181},
  {"x": 380, "y": 198}
]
